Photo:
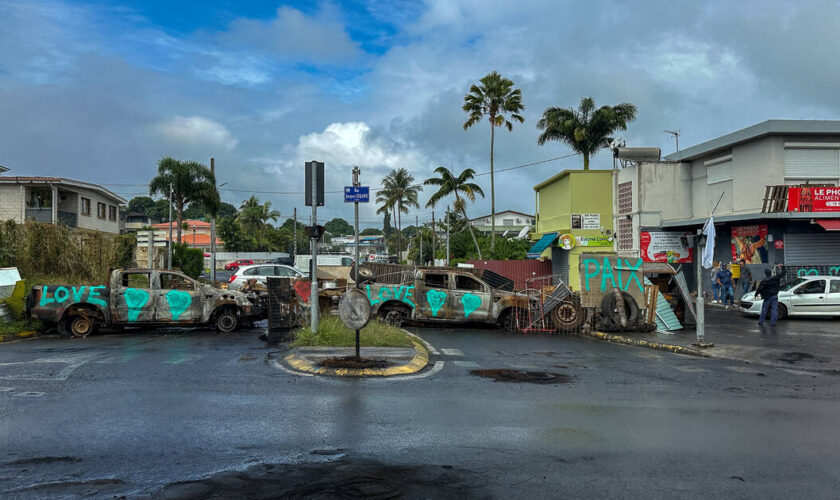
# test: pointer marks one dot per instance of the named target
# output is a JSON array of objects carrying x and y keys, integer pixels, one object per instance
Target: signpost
[
  {"x": 151, "y": 239},
  {"x": 355, "y": 194},
  {"x": 314, "y": 196}
]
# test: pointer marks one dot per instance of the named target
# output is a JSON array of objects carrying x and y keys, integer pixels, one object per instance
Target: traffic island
[
  {"x": 659, "y": 346},
  {"x": 387, "y": 361}
]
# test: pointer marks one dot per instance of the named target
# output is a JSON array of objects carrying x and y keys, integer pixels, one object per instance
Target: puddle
[
  {"x": 793, "y": 357},
  {"x": 507, "y": 375}
]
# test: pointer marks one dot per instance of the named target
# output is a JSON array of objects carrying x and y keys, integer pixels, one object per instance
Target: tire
[
  {"x": 226, "y": 320},
  {"x": 512, "y": 320},
  {"x": 568, "y": 315},
  {"x": 393, "y": 316},
  {"x": 608, "y": 309},
  {"x": 782, "y": 312},
  {"x": 366, "y": 275},
  {"x": 81, "y": 326}
]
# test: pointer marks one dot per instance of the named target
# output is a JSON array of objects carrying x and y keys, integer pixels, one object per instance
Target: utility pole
[
  {"x": 420, "y": 236},
  {"x": 294, "y": 239},
  {"x": 314, "y": 197},
  {"x": 434, "y": 240},
  {"x": 169, "y": 245},
  {"x": 701, "y": 303},
  {"x": 447, "y": 236},
  {"x": 356, "y": 183},
  {"x": 212, "y": 232}
]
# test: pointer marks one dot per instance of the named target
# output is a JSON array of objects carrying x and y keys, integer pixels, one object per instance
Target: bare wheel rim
[
  {"x": 393, "y": 318},
  {"x": 226, "y": 322},
  {"x": 567, "y": 314},
  {"x": 81, "y": 327}
]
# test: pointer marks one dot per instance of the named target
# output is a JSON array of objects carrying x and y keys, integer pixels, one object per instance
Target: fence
[{"x": 517, "y": 270}]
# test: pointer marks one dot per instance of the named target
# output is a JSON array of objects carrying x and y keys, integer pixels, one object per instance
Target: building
[
  {"x": 768, "y": 186},
  {"x": 59, "y": 200},
  {"x": 370, "y": 244},
  {"x": 508, "y": 221},
  {"x": 194, "y": 233},
  {"x": 134, "y": 221},
  {"x": 574, "y": 216}
]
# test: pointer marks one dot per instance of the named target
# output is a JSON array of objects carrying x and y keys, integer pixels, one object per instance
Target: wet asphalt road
[{"x": 128, "y": 414}]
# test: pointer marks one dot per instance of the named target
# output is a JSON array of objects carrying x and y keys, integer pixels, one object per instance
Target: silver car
[
  {"x": 261, "y": 272},
  {"x": 805, "y": 296}
]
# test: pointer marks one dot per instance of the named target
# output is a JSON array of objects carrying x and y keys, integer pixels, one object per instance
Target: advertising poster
[
  {"x": 749, "y": 243},
  {"x": 661, "y": 246},
  {"x": 586, "y": 221},
  {"x": 594, "y": 241},
  {"x": 813, "y": 199}
]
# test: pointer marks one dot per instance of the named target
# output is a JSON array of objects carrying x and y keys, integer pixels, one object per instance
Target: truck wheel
[
  {"x": 568, "y": 315},
  {"x": 394, "y": 316},
  {"x": 514, "y": 320},
  {"x": 81, "y": 326},
  {"x": 226, "y": 320},
  {"x": 366, "y": 275}
]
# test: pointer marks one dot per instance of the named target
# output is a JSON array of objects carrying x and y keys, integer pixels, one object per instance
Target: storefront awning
[
  {"x": 542, "y": 244},
  {"x": 827, "y": 224}
]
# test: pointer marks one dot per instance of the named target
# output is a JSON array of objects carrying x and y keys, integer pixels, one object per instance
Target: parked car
[
  {"x": 233, "y": 266},
  {"x": 804, "y": 296},
  {"x": 261, "y": 272}
]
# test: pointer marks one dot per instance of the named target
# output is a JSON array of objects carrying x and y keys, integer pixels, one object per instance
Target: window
[
  {"x": 488, "y": 222},
  {"x": 136, "y": 280},
  {"x": 266, "y": 271},
  {"x": 835, "y": 286},
  {"x": 812, "y": 163},
  {"x": 718, "y": 169},
  {"x": 283, "y": 272},
  {"x": 437, "y": 280},
  {"x": 112, "y": 212},
  {"x": 467, "y": 283},
  {"x": 86, "y": 206},
  {"x": 250, "y": 272},
  {"x": 171, "y": 281},
  {"x": 507, "y": 222},
  {"x": 100, "y": 210},
  {"x": 816, "y": 286}
]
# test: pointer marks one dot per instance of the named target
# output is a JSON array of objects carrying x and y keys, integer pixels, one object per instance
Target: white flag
[{"x": 709, "y": 251}]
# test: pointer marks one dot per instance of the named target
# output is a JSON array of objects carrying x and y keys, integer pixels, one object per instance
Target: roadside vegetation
[
  {"x": 333, "y": 333},
  {"x": 17, "y": 328}
]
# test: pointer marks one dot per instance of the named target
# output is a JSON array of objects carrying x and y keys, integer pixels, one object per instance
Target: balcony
[
  {"x": 45, "y": 215},
  {"x": 69, "y": 219}
]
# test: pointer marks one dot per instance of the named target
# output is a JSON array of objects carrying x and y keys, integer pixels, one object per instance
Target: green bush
[{"x": 189, "y": 260}]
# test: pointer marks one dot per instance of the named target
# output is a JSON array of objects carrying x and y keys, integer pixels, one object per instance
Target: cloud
[{"x": 196, "y": 130}]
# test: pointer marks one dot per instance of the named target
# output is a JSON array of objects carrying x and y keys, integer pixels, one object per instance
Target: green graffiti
[
  {"x": 587, "y": 274},
  {"x": 45, "y": 299},
  {"x": 61, "y": 294},
  {"x": 93, "y": 296},
  {"x": 178, "y": 301},
  {"x": 592, "y": 268},
  {"x": 78, "y": 293},
  {"x": 471, "y": 303},
  {"x": 607, "y": 273},
  {"x": 436, "y": 300},
  {"x": 401, "y": 293},
  {"x": 135, "y": 299},
  {"x": 634, "y": 275}
]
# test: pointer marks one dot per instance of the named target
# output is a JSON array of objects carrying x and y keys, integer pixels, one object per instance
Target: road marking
[
  {"x": 182, "y": 358},
  {"x": 436, "y": 368},
  {"x": 274, "y": 362},
  {"x": 452, "y": 352},
  {"x": 690, "y": 369},
  {"x": 6, "y": 389},
  {"x": 73, "y": 362},
  {"x": 466, "y": 364},
  {"x": 29, "y": 394},
  {"x": 742, "y": 369}
]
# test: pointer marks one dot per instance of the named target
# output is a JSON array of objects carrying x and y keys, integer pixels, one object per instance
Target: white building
[{"x": 509, "y": 220}]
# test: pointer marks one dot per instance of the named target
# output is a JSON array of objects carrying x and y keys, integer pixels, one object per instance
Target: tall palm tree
[
  {"x": 586, "y": 129},
  {"x": 399, "y": 193},
  {"x": 191, "y": 182},
  {"x": 254, "y": 216},
  {"x": 494, "y": 97},
  {"x": 448, "y": 184}
]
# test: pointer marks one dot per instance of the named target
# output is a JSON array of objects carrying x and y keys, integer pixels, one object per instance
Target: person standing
[
  {"x": 746, "y": 278},
  {"x": 724, "y": 281},
  {"x": 715, "y": 286},
  {"x": 768, "y": 290}
]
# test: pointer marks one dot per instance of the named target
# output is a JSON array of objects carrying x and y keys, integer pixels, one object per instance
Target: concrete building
[
  {"x": 196, "y": 234},
  {"x": 753, "y": 176},
  {"x": 133, "y": 221},
  {"x": 59, "y": 200},
  {"x": 508, "y": 221},
  {"x": 574, "y": 216}
]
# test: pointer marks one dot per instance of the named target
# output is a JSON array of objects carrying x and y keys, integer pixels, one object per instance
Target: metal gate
[{"x": 810, "y": 249}]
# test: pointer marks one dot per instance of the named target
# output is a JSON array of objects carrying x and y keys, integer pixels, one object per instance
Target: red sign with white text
[
  {"x": 660, "y": 246},
  {"x": 814, "y": 199}
]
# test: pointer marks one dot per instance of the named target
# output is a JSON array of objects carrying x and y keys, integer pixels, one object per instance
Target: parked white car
[
  {"x": 805, "y": 296},
  {"x": 261, "y": 272}
]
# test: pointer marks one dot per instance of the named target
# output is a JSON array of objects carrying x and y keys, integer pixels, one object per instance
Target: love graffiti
[{"x": 402, "y": 293}]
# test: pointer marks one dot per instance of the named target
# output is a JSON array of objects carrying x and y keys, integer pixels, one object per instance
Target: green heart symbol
[
  {"x": 471, "y": 303},
  {"x": 179, "y": 301},
  {"x": 436, "y": 300},
  {"x": 135, "y": 300}
]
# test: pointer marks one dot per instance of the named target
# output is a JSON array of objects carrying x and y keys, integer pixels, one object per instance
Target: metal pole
[
  {"x": 356, "y": 182},
  {"x": 701, "y": 303},
  {"x": 447, "y": 236},
  {"x": 419, "y": 235},
  {"x": 294, "y": 239},
  {"x": 169, "y": 243},
  {"x": 434, "y": 240},
  {"x": 313, "y": 243},
  {"x": 212, "y": 232},
  {"x": 151, "y": 247}
]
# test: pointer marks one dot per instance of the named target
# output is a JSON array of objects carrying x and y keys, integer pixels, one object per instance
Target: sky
[{"x": 100, "y": 91}]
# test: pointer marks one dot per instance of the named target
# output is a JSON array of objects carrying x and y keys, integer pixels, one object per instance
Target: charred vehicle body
[{"x": 142, "y": 297}]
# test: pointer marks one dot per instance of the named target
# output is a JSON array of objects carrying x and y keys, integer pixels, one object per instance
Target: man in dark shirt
[
  {"x": 768, "y": 289},
  {"x": 727, "y": 292}
]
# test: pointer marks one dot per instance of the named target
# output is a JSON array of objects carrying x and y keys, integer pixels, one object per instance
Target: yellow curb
[
  {"x": 417, "y": 363},
  {"x": 677, "y": 349},
  {"x": 25, "y": 334}
]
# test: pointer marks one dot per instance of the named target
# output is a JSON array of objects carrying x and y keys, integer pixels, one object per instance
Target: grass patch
[
  {"x": 12, "y": 328},
  {"x": 333, "y": 333}
]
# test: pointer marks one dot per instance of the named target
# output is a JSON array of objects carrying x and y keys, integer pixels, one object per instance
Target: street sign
[
  {"x": 354, "y": 309},
  {"x": 356, "y": 194},
  {"x": 316, "y": 169}
]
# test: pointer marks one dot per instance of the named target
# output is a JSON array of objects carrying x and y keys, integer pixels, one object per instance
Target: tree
[
  {"x": 586, "y": 129},
  {"x": 449, "y": 184},
  {"x": 191, "y": 182},
  {"x": 199, "y": 211},
  {"x": 339, "y": 227},
  {"x": 398, "y": 194},
  {"x": 386, "y": 224},
  {"x": 141, "y": 205},
  {"x": 254, "y": 216},
  {"x": 494, "y": 97},
  {"x": 160, "y": 210},
  {"x": 370, "y": 231}
]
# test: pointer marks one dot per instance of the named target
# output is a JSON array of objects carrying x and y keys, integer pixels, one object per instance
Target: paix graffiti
[{"x": 612, "y": 274}]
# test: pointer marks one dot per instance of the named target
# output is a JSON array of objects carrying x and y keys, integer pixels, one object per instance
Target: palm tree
[
  {"x": 449, "y": 184},
  {"x": 398, "y": 193},
  {"x": 586, "y": 129},
  {"x": 191, "y": 182},
  {"x": 254, "y": 215},
  {"x": 494, "y": 97}
]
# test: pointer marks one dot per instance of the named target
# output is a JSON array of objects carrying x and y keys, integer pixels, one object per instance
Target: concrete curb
[
  {"x": 676, "y": 349},
  {"x": 18, "y": 336},
  {"x": 417, "y": 363}
]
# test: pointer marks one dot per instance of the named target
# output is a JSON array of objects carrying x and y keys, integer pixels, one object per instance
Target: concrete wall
[
  {"x": 11, "y": 202},
  {"x": 92, "y": 221}
]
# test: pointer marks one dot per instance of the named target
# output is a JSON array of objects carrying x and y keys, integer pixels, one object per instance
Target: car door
[
  {"x": 133, "y": 299},
  {"x": 832, "y": 300},
  {"x": 809, "y": 298},
  {"x": 284, "y": 272},
  {"x": 434, "y": 298},
  {"x": 264, "y": 272},
  {"x": 178, "y": 299},
  {"x": 470, "y": 299}
]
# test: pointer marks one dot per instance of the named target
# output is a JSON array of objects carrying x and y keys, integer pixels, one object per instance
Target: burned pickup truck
[
  {"x": 141, "y": 297},
  {"x": 438, "y": 295}
]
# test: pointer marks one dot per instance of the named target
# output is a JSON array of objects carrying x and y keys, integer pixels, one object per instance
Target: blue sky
[{"x": 100, "y": 91}]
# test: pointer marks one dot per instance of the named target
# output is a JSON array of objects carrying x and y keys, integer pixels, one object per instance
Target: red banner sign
[
  {"x": 813, "y": 199},
  {"x": 664, "y": 247},
  {"x": 749, "y": 243}
]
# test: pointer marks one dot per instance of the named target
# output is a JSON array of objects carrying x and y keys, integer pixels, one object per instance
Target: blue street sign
[{"x": 353, "y": 194}]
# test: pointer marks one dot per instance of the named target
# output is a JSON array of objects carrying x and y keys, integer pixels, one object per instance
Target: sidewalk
[{"x": 798, "y": 344}]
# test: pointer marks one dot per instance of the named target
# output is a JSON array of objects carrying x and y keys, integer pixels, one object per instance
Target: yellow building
[{"x": 573, "y": 216}]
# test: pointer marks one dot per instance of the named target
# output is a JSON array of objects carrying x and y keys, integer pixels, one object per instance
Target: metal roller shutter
[
  {"x": 560, "y": 263},
  {"x": 812, "y": 249},
  {"x": 812, "y": 163}
]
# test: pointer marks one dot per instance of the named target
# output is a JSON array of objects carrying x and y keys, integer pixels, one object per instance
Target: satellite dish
[
  {"x": 523, "y": 232},
  {"x": 505, "y": 233}
]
